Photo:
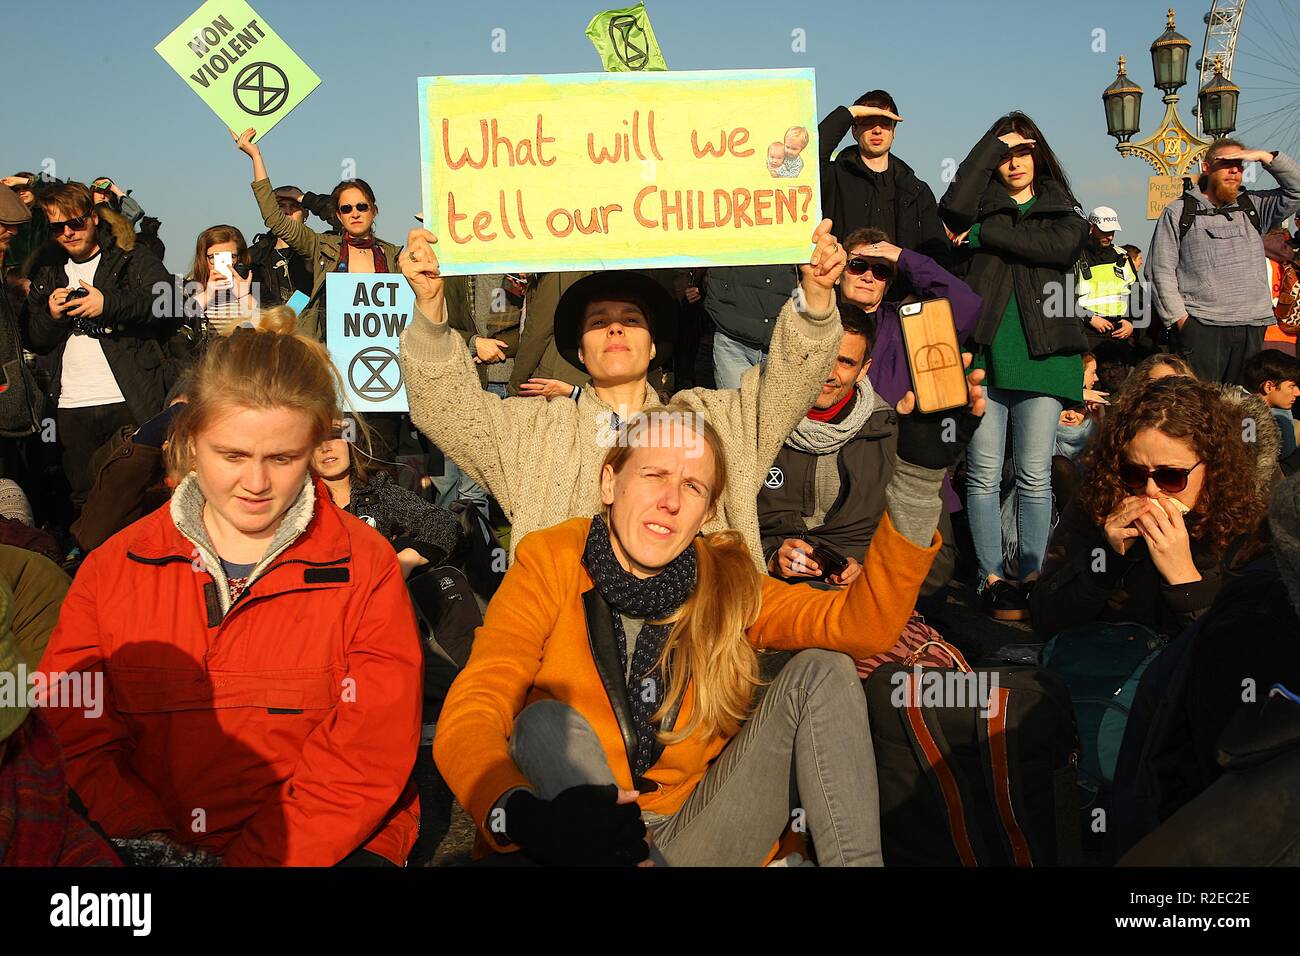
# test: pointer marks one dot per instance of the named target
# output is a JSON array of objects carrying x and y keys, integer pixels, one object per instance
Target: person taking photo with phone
[{"x": 94, "y": 305}]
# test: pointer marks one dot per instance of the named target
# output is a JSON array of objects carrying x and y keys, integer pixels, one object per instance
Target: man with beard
[{"x": 1207, "y": 262}]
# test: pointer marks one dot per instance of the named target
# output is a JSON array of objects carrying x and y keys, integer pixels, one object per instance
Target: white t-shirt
[{"x": 87, "y": 379}]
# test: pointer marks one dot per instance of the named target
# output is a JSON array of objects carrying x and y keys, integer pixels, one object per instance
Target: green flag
[{"x": 626, "y": 41}]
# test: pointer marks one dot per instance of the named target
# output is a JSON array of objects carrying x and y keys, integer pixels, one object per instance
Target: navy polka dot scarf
[{"x": 651, "y": 599}]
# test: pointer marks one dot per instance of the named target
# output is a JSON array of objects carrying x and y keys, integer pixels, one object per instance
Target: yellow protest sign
[
  {"x": 231, "y": 57},
  {"x": 620, "y": 170}
]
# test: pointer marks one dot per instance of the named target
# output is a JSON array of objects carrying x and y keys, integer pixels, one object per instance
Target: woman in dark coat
[{"x": 1018, "y": 231}]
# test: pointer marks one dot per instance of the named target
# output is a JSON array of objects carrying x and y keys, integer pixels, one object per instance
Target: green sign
[
  {"x": 241, "y": 68},
  {"x": 626, "y": 41}
]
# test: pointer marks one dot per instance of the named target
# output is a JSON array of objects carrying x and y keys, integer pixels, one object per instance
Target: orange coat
[
  {"x": 534, "y": 645},
  {"x": 283, "y": 734}
]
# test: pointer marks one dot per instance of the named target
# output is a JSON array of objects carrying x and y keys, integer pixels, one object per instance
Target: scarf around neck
[
  {"x": 824, "y": 438},
  {"x": 650, "y": 599},
  {"x": 370, "y": 243}
]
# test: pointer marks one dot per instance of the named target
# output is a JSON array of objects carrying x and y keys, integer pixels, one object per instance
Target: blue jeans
[
  {"x": 732, "y": 359},
  {"x": 1033, "y": 420}
]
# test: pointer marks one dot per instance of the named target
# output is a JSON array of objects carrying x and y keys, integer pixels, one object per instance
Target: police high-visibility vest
[{"x": 1103, "y": 288}]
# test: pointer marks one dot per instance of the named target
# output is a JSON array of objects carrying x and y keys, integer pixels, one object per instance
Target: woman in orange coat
[
  {"x": 262, "y": 664},
  {"x": 610, "y": 688}
]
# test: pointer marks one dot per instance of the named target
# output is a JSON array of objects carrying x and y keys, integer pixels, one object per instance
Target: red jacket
[{"x": 283, "y": 734}]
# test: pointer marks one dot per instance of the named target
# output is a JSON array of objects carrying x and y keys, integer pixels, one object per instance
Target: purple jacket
[{"x": 889, "y": 375}]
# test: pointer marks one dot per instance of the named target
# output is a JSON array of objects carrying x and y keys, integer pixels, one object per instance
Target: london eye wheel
[{"x": 1259, "y": 47}]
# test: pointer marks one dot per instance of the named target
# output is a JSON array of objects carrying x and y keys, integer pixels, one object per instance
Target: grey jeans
[{"x": 805, "y": 754}]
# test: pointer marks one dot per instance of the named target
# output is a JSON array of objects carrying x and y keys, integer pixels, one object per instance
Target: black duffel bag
[{"x": 975, "y": 767}]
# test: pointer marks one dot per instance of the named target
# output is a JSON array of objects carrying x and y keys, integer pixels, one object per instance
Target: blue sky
[{"x": 109, "y": 105}]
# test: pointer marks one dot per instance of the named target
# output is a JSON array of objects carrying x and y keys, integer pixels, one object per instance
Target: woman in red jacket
[{"x": 261, "y": 659}]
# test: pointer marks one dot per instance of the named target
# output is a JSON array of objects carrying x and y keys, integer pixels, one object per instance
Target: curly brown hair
[{"x": 1230, "y": 504}]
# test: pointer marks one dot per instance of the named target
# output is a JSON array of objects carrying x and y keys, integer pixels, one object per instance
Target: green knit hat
[{"x": 13, "y": 693}]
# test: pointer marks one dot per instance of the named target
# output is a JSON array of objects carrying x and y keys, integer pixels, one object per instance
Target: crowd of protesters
[{"x": 615, "y": 582}]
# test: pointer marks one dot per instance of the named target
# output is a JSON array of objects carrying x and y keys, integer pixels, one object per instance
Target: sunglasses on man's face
[
  {"x": 76, "y": 225},
  {"x": 1168, "y": 479},
  {"x": 858, "y": 266},
  {"x": 360, "y": 207}
]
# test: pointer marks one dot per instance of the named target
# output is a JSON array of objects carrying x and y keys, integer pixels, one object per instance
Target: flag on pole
[{"x": 625, "y": 40}]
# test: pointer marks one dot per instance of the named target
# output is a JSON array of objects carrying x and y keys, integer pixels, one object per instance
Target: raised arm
[
  {"x": 960, "y": 204},
  {"x": 304, "y": 241},
  {"x": 804, "y": 342},
  {"x": 831, "y": 130},
  {"x": 475, "y": 428}
]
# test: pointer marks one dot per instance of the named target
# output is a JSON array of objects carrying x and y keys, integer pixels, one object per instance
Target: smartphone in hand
[
  {"x": 933, "y": 355},
  {"x": 223, "y": 264}
]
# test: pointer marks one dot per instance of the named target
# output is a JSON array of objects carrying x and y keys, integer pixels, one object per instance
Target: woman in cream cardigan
[{"x": 541, "y": 459}]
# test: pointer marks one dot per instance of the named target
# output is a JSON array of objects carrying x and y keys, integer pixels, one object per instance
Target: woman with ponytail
[
  {"x": 257, "y": 642},
  {"x": 606, "y": 715}
]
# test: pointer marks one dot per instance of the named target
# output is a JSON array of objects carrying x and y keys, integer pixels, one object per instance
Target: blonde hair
[
  {"x": 260, "y": 369},
  {"x": 278, "y": 318},
  {"x": 707, "y": 649}
]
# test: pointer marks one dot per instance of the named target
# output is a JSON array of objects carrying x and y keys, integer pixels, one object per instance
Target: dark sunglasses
[
  {"x": 858, "y": 266},
  {"x": 76, "y": 225},
  {"x": 872, "y": 122},
  {"x": 1168, "y": 479},
  {"x": 360, "y": 207}
]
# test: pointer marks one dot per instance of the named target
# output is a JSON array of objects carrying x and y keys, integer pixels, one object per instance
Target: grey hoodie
[{"x": 1218, "y": 272}]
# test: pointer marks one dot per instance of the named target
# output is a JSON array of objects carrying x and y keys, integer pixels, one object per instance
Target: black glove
[
  {"x": 583, "y": 826},
  {"x": 936, "y": 439}
]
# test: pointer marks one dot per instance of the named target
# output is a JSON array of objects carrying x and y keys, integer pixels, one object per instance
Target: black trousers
[
  {"x": 1218, "y": 353},
  {"x": 81, "y": 431}
]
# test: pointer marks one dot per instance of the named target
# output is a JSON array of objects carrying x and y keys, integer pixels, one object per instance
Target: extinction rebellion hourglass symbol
[
  {"x": 629, "y": 40},
  {"x": 261, "y": 88}
]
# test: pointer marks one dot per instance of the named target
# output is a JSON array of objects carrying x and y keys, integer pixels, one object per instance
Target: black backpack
[{"x": 1192, "y": 209}]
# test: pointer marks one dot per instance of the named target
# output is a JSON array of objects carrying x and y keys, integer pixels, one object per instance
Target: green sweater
[{"x": 1007, "y": 361}]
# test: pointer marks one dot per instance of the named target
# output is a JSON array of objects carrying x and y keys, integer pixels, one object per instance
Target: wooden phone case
[{"x": 933, "y": 355}]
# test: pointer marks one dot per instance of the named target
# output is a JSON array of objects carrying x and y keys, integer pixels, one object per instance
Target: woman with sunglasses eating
[
  {"x": 1173, "y": 485},
  {"x": 354, "y": 249},
  {"x": 1018, "y": 233},
  {"x": 873, "y": 265}
]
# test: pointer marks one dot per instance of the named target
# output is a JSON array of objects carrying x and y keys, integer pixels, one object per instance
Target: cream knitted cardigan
[{"x": 541, "y": 459}]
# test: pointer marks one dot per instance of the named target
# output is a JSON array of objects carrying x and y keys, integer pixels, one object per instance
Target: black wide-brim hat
[{"x": 616, "y": 286}]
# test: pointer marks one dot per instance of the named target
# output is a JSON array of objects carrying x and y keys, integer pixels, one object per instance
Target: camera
[{"x": 76, "y": 294}]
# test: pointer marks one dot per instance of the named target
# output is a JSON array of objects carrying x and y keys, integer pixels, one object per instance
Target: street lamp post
[{"x": 1173, "y": 148}]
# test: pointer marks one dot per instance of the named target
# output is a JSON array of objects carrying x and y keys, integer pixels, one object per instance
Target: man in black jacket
[
  {"x": 743, "y": 303},
  {"x": 104, "y": 311},
  {"x": 826, "y": 488},
  {"x": 870, "y": 187}
]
